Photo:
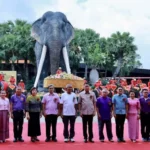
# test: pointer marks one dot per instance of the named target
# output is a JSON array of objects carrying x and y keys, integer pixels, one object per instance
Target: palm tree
[{"x": 122, "y": 47}]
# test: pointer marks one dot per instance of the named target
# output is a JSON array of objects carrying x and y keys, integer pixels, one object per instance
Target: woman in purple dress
[
  {"x": 4, "y": 116},
  {"x": 133, "y": 117}
]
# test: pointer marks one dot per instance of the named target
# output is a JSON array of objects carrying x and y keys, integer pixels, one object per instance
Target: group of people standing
[
  {"x": 68, "y": 107},
  {"x": 122, "y": 107}
]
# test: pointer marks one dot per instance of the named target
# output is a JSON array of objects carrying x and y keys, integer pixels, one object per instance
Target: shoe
[
  {"x": 21, "y": 140},
  {"x": 36, "y": 139},
  {"x": 111, "y": 140},
  {"x": 118, "y": 140},
  {"x": 32, "y": 140},
  {"x": 102, "y": 140},
  {"x": 65, "y": 140},
  {"x": 91, "y": 141},
  {"x": 47, "y": 140},
  {"x": 54, "y": 140},
  {"x": 144, "y": 140},
  {"x": 147, "y": 139},
  {"x": 85, "y": 140},
  {"x": 123, "y": 141},
  {"x": 15, "y": 140},
  {"x": 134, "y": 141},
  {"x": 72, "y": 140}
]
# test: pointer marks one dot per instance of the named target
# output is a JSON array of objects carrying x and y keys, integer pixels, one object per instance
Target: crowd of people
[
  {"x": 133, "y": 108},
  {"x": 112, "y": 85}
]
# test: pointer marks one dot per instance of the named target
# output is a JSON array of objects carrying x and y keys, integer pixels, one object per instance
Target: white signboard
[{"x": 94, "y": 76}]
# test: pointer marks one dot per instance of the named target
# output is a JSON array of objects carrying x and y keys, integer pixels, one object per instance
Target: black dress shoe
[
  {"x": 36, "y": 139},
  {"x": 111, "y": 140},
  {"x": 91, "y": 141},
  {"x": 102, "y": 140},
  {"x": 54, "y": 140},
  {"x": 32, "y": 140},
  {"x": 15, "y": 140},
  {"x": 85, "y": 140},
  {"x": 123, "y": 141},
  {"x": 21, "y": 140},
  {"x": 47, "y": 140}
]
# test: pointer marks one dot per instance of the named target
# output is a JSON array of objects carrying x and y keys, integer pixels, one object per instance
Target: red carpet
[{"x": 78, "y": 145}]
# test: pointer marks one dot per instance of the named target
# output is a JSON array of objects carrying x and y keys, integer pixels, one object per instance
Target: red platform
[{"x": 78, "y": 145}]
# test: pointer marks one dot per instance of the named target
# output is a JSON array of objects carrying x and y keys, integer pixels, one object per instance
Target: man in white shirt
[{"x": 68, "y": 107}]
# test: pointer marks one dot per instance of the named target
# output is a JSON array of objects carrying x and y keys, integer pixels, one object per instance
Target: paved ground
[{"x": 78, "y": 145}]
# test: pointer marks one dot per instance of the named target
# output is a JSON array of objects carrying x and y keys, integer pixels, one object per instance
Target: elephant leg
[{"x": 45, "y": 69}]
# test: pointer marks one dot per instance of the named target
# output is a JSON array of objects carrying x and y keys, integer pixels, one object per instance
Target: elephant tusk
[
  {"x": 66, "y": 59},
  {"x": 40, "y": 66}
]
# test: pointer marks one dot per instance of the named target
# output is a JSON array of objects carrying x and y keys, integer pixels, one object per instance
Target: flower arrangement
[
  {"x": 109, "y": 103},
  {"x": 64, "y": 75},
  {"x": 124, "y": 99},
  {"x": 91, "y": 96},
  {"x": 55, "y": 100},
  {"x": 38, "y": 99}
]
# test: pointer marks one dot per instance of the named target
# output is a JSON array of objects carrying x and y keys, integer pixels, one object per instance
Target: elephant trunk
[{"x": 55, "y": 48}]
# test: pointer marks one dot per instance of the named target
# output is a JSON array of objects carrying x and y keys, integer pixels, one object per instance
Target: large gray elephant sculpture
[{"x": 52, "y": 33}]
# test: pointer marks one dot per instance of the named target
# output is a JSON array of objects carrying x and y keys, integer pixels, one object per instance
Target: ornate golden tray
[{"x": 61, "y": 83}]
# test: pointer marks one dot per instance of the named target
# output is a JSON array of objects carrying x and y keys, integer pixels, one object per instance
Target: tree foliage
[
  {"x": 16, "y": 43},
  {"x": 124, "y": 52},
  {"x": 116, "y": 53}
]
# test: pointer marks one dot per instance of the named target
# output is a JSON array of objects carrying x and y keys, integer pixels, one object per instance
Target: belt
[{"x": 18, "y": 111}]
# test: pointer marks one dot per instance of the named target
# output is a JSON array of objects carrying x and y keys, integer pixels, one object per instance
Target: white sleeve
[{"x": 61, "y": 100}]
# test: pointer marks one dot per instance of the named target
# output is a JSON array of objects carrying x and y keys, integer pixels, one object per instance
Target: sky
[{"x": 103, "y": 16}]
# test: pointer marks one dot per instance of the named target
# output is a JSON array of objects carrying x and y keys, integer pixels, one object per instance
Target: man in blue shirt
[
  {"x": 104, "y": 111},
  {"x": 120, "y": 107},
  {"x": 145, "y": 115},
  {"x": 17, "y": 109}
]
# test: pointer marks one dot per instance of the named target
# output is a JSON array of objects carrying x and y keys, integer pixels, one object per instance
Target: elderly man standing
[
  {"x": 120, "y": 108},
  {"x": 50, "y": 104},
  {"x": 87, "y": 108},
  {"x": 104, "y": 112},
  {"x": 68, "y": 107},
  {"x": 17, "y": 109}
]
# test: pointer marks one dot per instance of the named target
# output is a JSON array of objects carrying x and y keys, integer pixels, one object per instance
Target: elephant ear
[
  {"x": 69, "y": 31},
  {"x": 36, "y": 31}
]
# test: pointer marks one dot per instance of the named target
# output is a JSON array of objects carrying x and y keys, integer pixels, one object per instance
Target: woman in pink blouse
[
  {"x": 4, "y": 116},
  {"x": 133, "y": 117}
]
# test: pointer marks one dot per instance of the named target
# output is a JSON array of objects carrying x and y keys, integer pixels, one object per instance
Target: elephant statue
[{"x": 52, "y": 32}]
